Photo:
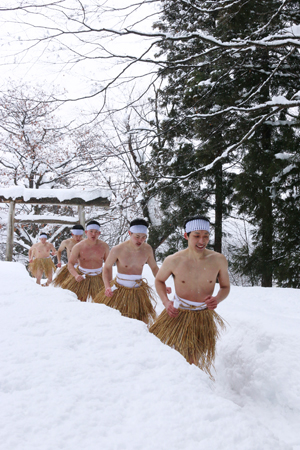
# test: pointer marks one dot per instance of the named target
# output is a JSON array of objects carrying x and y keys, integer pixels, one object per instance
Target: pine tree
[{"x": 213, "y": 101}]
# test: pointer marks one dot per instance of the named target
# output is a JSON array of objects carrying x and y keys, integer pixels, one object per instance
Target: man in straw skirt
[
  {"x": 77, "y": 235},
  {"x": 90, "y": 253},
  {"x": 189, "y": 323},
  {"x": 129, "y": 293},
  {"x": 40, "y": 260}
]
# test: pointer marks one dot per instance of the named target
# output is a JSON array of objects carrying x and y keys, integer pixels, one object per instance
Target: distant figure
[
  {"x": 129, "y": 293},
  {"x": 77, "y": 235},
  {"x": 90, "y": 253},
  {"x": 189, "y": 323},
  {"x": 40, "y": 260}
]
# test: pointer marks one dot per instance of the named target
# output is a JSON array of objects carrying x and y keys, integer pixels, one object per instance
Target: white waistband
[
  {"x": 182, "y": 303},
  {"x": 131, "y": 281},
  {"x": 91, "y": 272}
]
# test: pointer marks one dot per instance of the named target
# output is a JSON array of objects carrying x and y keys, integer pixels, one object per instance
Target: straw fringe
[
  {"x": 61, "y": 276},
  {"x": 135, "y": 303},
  {"x": 191, "y": 333},
  {"x": 44, "y": 264},
  {"x": 89, "y": 287}
]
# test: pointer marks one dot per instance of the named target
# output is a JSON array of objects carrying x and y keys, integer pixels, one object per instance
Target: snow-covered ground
[{"x": 79, "y": 376}]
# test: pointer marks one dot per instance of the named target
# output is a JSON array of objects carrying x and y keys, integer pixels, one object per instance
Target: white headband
[
  {"x": 139, "y": 229},
  {"x": 93, "y": 226},
  {"x": 197, "y": 225},
  {"x": 77, "y": 232},
  {"x": 43, "y": 235}
]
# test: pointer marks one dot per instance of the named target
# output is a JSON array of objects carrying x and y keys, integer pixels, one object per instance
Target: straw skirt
[
  {"x": 45, "y": 265},
  {"x": 61, "y": 276},
  {"x": 89, "y": 287},
  {"x": 192, "y": 333},
  {"x": 135, "y": 303}
]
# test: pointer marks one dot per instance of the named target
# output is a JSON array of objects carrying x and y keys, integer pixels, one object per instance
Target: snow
[
  {"x": 61, "y": 194},
  {"x": 80, "y": 376},
  {"x": 34, "y": 217}
]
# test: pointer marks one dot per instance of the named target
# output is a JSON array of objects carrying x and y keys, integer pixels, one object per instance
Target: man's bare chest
[
  {"x": 133, "y": 259},
  {"x": 92, "y": 253},
  {"x": 198, "y": 272}
]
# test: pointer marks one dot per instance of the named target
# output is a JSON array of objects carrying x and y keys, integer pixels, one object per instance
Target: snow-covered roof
[{"x": 20, "y": 194}]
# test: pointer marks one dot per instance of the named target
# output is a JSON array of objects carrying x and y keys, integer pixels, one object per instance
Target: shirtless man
[
  {"x": 195, "y": 272},
  {"x": 89, "y": 254},
  {"x": 129, "y": 293},
  {"x": 40, "y": 260},
  {"x": 77, "y": 235}
]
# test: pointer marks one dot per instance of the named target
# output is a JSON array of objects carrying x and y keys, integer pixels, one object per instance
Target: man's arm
[
  {"x": 31, "y": 253},
  {"x": 162, "y": 275},
  {"x": 59, "y": 252},
  {"x": 52, "y": 249},
  {"x": 72, "y": 261},
  {"x": 154, "y": 267},
  {"x": 111, "y": 258},
  {"x": 151, "y": 262},
  {"x": 224, "y": 283}
]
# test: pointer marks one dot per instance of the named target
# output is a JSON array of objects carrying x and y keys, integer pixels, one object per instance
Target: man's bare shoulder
[
  {"x": 103, "y": 244},
  {"x": 67, "y": 242},
  {"x": 217, "y": 256},
  {"x": 175, "y": 257}
]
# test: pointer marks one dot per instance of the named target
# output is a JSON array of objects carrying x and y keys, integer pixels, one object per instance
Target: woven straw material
[
  {"x": 135, "y": 303},
  {"x": 43, "y": 264},
  {"x": 192, "y": 333},
  {"x": 89, "y": 287},
  {"x": 61, "y": 276}
]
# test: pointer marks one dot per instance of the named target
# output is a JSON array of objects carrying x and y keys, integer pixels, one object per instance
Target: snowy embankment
[{"x": 80, "y": 376}]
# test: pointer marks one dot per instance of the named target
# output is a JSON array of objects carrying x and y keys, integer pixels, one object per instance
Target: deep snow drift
[{"x": 79, "y": 376}]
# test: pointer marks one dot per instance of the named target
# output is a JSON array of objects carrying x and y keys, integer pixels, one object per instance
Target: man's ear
[{"x": 186, "y": 236}]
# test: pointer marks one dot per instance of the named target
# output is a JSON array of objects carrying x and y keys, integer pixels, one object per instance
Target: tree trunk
[{"x": 218, "y": 208}]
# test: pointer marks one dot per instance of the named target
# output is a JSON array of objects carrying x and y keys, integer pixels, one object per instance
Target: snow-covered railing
[{"x": 20, "y": 194}]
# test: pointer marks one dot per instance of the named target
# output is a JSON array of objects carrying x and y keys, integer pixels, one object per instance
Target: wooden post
[
  {"x": 10, "y": 232},
  {"x": 81, "y": 215}
]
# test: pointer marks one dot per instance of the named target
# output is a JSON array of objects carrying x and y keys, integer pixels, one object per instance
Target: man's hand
[
  {"x": 58, "y": 264},
  {"x": 211, "y": 302},
  {"x": 79, "y": 278},
  {"x": 168, "y": 290},
  {"x": 172, "y": 312},
  {"x": 31, "y": 260},
  {"x": 109, "y": 292}
]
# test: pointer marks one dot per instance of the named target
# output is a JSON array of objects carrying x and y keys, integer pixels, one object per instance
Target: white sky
[{"x": 46, "y": 64}]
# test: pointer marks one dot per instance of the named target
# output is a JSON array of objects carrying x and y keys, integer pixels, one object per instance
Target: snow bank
[{"x": 80, "y": 376}]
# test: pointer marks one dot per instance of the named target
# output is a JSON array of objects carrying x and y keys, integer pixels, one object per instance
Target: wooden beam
[
  {"x": 57, "y": 221},
  {"x": 10, "y": 232},
  {"x": 100, "y": 201}
]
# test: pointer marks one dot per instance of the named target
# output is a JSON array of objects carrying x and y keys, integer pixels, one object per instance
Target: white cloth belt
[
  {"x": 182, "y": 303},
  {"x": 131, "y": 281},
  {"x": 90, "y": 272}
]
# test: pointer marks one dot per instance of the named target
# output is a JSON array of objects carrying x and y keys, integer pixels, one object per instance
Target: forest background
[{"x": 178, "y": 107}]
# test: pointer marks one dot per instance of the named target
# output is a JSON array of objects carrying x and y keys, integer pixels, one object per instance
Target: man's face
[
  {"x": 43, "y": 240},
  {"x": 92, "y": 235},
  {"x": 77, "y": 237},
  {"x": 198, "y": 240},
  {"x": 137, "y": 239}
]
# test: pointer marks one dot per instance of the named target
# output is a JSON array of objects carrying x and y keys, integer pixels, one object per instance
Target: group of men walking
[{"x": 189, "y": 322}]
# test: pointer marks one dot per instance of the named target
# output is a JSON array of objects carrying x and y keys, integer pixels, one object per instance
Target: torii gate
[{"x": 19, "y": 194}]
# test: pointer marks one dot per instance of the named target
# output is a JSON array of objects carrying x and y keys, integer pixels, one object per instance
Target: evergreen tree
[{"x": 215, "y": 100}]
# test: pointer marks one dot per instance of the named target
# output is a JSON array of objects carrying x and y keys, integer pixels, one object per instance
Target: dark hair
[
  {"x": 139, "y": 222},
  {"x": 93, "y": 222},
  {"x": 77, "y": 227},
  {"x": 195, "y": 218}
]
